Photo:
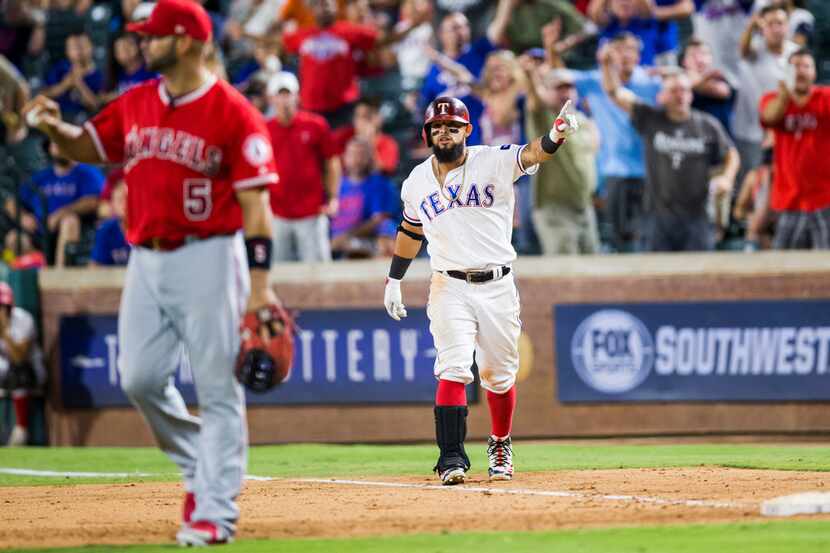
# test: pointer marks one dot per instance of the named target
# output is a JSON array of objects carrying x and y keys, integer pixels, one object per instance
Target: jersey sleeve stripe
[
  {"x": 96, "y": 140},
  {"x": 269, "y": 178},
  {"x": 532, "y": 170},
  {"x": 411, "y": 219},
  {"x": 519, "y": 158}
]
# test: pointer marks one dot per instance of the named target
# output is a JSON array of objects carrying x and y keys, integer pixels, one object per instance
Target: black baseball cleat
[
  {"x": 500, "y": 455},
  {"x": 450, "y": 431}
]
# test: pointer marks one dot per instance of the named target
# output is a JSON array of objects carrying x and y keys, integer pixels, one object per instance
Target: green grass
[
  {"x": 316, "y": 460},
  {"x": 771, "y": 537}
]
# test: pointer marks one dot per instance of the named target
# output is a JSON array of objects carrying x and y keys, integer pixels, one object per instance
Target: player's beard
[
  {"x": 164, "y": 62},
  {"x": 448, "y": 155}
]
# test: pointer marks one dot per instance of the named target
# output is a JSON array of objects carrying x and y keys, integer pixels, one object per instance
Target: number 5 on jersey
[{"x": 197, "y": 199}]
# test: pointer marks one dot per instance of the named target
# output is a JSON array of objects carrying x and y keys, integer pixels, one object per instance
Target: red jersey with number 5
[{"x": 184, "y": 158}]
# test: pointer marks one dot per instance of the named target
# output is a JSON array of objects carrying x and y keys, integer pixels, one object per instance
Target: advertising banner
[
  {"x": 696, "y": 351},
  {"x": 341, "y": 356}
]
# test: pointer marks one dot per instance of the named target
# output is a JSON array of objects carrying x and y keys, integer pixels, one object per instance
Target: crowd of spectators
[{"x": 703, "y": 125}]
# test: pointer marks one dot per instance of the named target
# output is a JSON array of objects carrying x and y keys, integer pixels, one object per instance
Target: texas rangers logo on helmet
[{"x": 447, "y": 108}]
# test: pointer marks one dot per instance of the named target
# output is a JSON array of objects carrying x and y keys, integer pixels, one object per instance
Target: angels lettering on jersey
[{"x": 173, "y": 145}]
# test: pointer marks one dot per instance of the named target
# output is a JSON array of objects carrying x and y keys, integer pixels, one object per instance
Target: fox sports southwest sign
[{"x": 702, "y": 351}]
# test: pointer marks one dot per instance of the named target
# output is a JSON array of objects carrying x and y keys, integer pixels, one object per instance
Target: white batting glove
[
  {"x": 392, "y": 299},
  {"x": 565, "y": 124}
]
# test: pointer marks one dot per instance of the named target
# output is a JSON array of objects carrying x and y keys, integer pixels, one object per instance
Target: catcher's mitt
[{"x": 267, "y": 348}]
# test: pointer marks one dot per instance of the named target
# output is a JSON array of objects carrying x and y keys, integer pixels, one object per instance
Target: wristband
[
  {"x": 548, "y": 145},
  {"x": 399, "y": 267},
  {"x": 259, "y": 252}
]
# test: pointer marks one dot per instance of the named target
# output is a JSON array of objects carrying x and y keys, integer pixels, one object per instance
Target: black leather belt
[{"x": 480, "y": 276}]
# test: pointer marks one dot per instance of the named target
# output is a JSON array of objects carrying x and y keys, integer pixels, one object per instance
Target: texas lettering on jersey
[
  {"x": 468, "y": 221},
  {"x": 432, "y": 206}
]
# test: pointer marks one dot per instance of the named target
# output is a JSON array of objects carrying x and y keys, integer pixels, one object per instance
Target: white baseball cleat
[
  {"x": 500, "y": 455},
  {"x": 453, "y": 476}
]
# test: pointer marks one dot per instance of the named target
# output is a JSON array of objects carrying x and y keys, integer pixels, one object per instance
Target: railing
[{"x": 13, "y": 178}]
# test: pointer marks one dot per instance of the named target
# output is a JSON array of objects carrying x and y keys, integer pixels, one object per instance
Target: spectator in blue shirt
[
  {"x": 266, "y": 58},
  {"x": 364, "y": 224},
  {"x": 75, "y": 82},
  {"x": 70, "y": 191},
  {"x": 667, "y": 13},
  {"x": 111, "y": 248},
  {"x": 457, "y": 45},
  {"x": 620, "y": 160},
  {"x": 626, "y": 16},
  {"x": 131, "y": 70}
]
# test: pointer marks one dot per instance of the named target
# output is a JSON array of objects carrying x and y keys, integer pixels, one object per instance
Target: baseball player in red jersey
[
  {"x": 461, "y": 200},
  {"x": 198, "y": 164}
]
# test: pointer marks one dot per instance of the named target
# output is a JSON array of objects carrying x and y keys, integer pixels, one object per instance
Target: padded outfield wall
[{"x": 613, "y": 345}]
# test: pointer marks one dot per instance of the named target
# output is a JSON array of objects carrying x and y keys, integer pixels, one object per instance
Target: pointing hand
[{"x": 565, "y": 124}]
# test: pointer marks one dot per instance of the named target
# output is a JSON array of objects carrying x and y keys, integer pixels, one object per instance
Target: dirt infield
[{"x": 148, "y": 512}]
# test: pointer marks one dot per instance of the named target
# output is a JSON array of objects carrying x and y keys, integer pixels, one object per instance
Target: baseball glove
[{"x": 267, "y": 348}]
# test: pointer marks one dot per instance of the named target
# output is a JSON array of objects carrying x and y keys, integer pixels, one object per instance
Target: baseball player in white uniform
[{"x": 460, "y": 201}]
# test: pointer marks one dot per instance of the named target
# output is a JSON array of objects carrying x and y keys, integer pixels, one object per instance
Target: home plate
[{"x": 809, "y": 503}]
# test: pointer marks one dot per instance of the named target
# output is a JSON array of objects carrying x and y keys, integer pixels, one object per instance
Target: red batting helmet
[
  {"x": 6, "y": 295},
  {"x": 444, "y": 108}
]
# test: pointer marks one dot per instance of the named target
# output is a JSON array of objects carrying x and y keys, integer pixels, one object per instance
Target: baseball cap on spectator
[
  {"x": 176, "y": 17},
  {"x": 283, "y": 81}
]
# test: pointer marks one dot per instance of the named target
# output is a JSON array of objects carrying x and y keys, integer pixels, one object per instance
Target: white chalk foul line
[
  {"x": 463, "y": 489},
  {"x": 543, "y": 493},
  {"x": 79, "y": 474},
  {"x": 72, "y": 474}
]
